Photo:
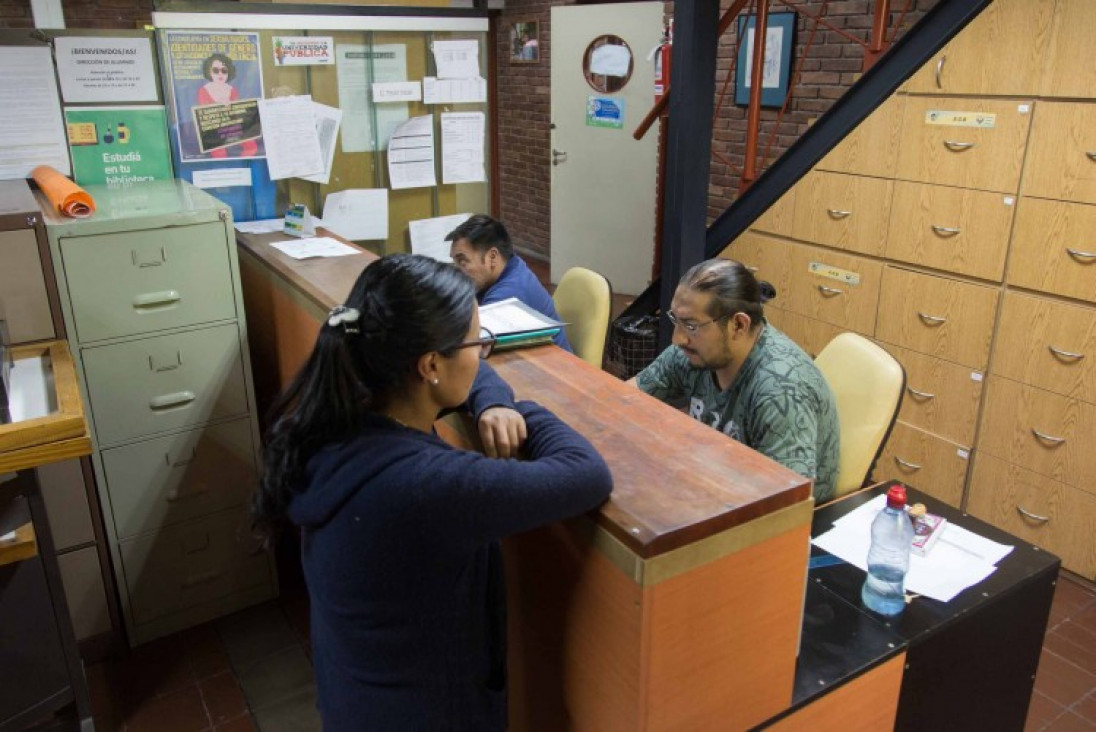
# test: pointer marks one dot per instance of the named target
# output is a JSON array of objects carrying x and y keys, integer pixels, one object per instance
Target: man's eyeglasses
[
  {"x": 486, "y": 343},
  {"x": 687, "y": 325}
]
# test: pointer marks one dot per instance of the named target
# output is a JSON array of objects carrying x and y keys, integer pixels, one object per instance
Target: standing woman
[{"x": 400, "y": 531}]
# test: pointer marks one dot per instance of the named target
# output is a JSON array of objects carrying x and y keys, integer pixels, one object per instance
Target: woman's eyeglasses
[
  {"x": 218, "y": 70},
  {"x": 486, "y": 343}
]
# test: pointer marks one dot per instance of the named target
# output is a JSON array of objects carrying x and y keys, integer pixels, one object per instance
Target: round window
[{"x": 607, "y": 64}]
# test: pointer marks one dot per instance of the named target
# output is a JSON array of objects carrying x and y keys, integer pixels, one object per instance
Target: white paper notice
[
  {"x": 462, "y": 147},
  {"x": 411, "y": 154},
  {"x": 32, "y": 130},
  {"x": 357, "y": 213},
  {"x": 320, "y": 246},
  {"x": 327, "y": 130},
  {"x": 263, "y": 226},
  {"x": 610, "y": 60},
  {"x": 428, "y": 235},
  {"x": 397, "y": 91},
  {"x": 105, "y": 69},
  {"x": 221, "y": 177},
  {"x": 289, "y": 130},
  {"x": 358, "y": 67},
  {"x": 453, "y": 91},
  {"x": 457, "y": 59}
]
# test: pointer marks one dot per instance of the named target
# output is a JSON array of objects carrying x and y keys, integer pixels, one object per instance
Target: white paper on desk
[
  {"x": 453, "y": 91},
  {"x": 513, "y": 316},
  {"x": 327, "y": 131},
  {"x": 610, "y": 60},
  {"x": 411, "y": 154},
  {"x": 289, "y": 132},
  {"x": 428, "y": 235},
  {"x": 396, "y": 91},
  {"x": 357, "y": 213},
  {"x": 319, "y": 246},
  {"x": 462, "y": 147},
  {"x": 264, "y": 226},
  {"x": 32, "y": 130},
  {"x": 456, "y": 59}
]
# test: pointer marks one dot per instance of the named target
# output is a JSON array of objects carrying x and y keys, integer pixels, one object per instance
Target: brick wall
[{"x": 112, "y": 14}]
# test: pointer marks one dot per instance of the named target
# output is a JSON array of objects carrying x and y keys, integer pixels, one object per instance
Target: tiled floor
[{"x": 1065, "y": 688}]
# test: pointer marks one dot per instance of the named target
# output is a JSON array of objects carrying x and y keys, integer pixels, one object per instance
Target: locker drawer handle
[
  {"x": 945, "y": 232},
  {"x": 157, "y": 299},
  {"x": 1032, "y": 516},
  {"x": 958, "y": 146},
  {"x": 837, "y": 214},
  {"x": 1066, "y": 354},
  {"x": 200, "y": 579},
  {"x": 830, "y": 291},
  {"x": 931, "y": 319},
  {"x": 903, "y": 464},
  {"x": 920, "y": 394},
  {"x": 939, "y": 71},
  {"x": 1047, "y": 438},
  {"x": 1083, "y": 257},
  {"x": 1091, "y": 155},
  {"x": 176, "y": 495},
  {"x": 175, "y": 399}
]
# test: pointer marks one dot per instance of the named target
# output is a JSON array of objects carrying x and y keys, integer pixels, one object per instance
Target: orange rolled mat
[{"x": 67, "y": 197}]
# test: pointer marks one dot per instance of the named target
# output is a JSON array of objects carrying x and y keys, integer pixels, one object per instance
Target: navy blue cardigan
[{"x": 400, "y": 550}]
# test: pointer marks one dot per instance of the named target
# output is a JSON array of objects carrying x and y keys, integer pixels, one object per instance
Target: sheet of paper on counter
[{"x": 318, "y": 246}]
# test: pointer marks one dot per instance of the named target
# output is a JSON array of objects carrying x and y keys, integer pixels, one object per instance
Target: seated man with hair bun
[{"x": 744, "y": 377}]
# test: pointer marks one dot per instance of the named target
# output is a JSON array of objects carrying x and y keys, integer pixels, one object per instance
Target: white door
[{"x": 603, "y": 180}]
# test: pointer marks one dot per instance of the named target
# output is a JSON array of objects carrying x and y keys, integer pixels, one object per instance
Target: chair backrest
[
  {"x": 583, "y": 300},
  {"x": 867, "y": 385}
]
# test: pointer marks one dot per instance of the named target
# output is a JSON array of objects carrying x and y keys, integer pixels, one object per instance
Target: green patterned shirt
[{"x": 779, "y": 404}]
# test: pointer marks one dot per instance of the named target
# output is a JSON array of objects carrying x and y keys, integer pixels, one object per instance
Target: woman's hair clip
[{"x": 346, "y": 317}]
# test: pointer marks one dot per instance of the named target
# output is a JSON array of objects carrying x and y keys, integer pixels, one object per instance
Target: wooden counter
[{"x": 677, "y": 604}]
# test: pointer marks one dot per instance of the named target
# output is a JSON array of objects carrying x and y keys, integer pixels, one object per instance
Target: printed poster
[
  {"x": 110, "y": 70},
  {"x": 216, "y": 84},
  {"x": 118, "y": 145},
  {"x": 304, "y": 50}
]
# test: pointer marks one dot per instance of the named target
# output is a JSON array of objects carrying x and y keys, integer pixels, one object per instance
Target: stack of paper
[{"x": 515, "y": 324}]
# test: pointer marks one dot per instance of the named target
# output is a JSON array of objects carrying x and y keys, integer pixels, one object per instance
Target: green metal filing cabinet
[{"x": 150, "y": 291}]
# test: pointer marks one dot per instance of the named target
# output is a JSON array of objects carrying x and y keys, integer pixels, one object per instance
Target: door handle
[{"x": 558, "y": 156}]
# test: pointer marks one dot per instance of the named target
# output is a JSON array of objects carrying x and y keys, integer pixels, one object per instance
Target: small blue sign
[{"x": 605, "y": 112}]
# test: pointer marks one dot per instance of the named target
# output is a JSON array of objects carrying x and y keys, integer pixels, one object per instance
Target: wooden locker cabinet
[
  {"x": 834, "y": 287},
  {"x": 1054, "y": 248},
  {"x": 925, "y": 460},
  {"x": 872, "y": 148},
  {"x": 848, "y": 212},
  {"x": 1069, "y": 66},
  {"x": 150, "y": 290},
  {"x": 1062, "y": 163},
  {"x": 768, "y": 258}
]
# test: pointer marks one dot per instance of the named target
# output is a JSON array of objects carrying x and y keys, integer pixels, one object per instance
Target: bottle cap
[{"x": 896, "y": 496}]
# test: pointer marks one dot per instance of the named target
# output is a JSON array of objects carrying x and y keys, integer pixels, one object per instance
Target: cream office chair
[
  {"x": 867, "y": 385},
  {"x": 583, "y": 300}
]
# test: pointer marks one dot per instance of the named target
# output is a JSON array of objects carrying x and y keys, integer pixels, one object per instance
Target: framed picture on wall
[
  {"x": 525, "y": 42},
  {"x": 779, "y": 56}
]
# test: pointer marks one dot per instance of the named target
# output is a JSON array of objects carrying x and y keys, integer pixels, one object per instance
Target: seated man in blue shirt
[{"x": 482, "y": 249}]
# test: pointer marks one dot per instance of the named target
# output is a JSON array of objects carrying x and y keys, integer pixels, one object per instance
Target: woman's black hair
[
  {"x": 733, "y": 287},
  {"x": 408, "y": 305},
  {"x": 207, "y": 66}
]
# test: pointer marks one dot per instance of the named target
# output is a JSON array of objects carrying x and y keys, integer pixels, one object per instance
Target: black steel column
[{"x": 689, "y": 144}]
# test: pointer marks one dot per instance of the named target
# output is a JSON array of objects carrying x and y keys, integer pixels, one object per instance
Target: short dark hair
[
  {"x": 733, "y": 287},
  {"x": 207, "y": 66},
  {"x": 483, "y": 233}
]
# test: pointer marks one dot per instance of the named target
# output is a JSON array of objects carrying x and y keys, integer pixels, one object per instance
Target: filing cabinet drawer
[
  {"x": 937, "y": 316},
  {"x": 954, "y": 229},
  {"x": 170, "y": 479},
  {"x": 871, "y": 148},
  {"x": 191, "y": 563},
  {"x": 1062, "y": 161},
  {"x": 162, "y": 278},
  {"x": 164, "y": 383},
  {"x": 767, "y": 257},
  {"x": 1048, "y": 513},
  {"x": 780, "y": 216},
  {"x": 844, "y": 211},
  {"x": 809, "y": 334},
  {"x": 926, "y": 461},
  {"x": 941, "y": 397},
  {"x": 839, "y": 289},
  {"x": 1054, "y": 248},
  {"x": 936, "y": 150},
  {"x": 1047, "y": 344},
  {"x": 1044, "y": 432}
]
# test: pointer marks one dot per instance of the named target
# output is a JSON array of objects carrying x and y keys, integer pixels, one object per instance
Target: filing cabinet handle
[
  {"x": 174, "y": 399},
  {"x": 945, "y": 232},
  {"x": 1082, "y": 257},
  {"x": 830, "y": 291},
  {"x": 837, "y": 213},
  {"x": 1047, "y": 438},
  {"x": 958, "y": 146},
  {"x": 1032, "y": 516},
  {"x": 903, "y": 464},
  {"x": 931, "y": 319},
  {"x": 1091, "y": 155},
  {"x": 201, "y": 579},
  {"x": 161, "y": 299},
  {"x": 920, "y": 394},
  {"x": 940, "y": 71},
  {"x": 1066, "y": 354}
]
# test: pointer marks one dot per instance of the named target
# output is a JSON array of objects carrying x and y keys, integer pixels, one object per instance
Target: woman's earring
[{"x": 434, "y": 382}]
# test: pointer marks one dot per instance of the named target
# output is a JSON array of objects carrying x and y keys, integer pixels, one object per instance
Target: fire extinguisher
[{"x": 662, "y": 57}]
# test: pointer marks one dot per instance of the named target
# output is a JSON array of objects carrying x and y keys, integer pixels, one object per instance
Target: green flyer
[{"x": 118, "y": 145}]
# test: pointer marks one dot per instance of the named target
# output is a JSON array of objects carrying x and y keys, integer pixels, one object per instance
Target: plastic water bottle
[{"x": 889, "y": 557}]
